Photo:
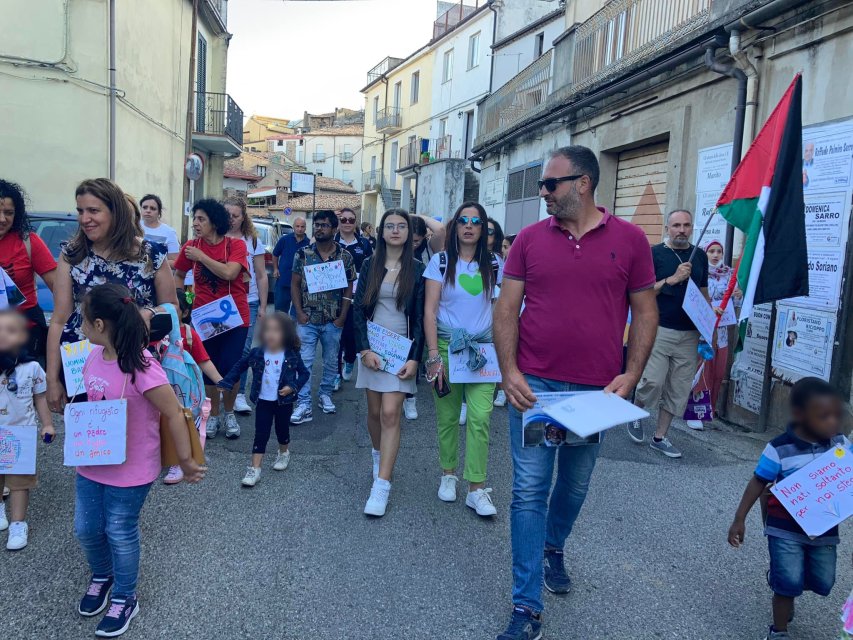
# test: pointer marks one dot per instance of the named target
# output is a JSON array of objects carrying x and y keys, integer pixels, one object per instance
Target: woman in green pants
[{"x": 460, "y": 284}]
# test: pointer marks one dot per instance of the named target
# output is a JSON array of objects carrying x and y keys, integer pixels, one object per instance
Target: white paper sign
[
  {"x": 325, "y": 276},
  {"x": 95, "y": 433},
  {"x": 594, "y": 411},
  {"x": 699, "y": 311},
  {"x": 392, "y": 348},
  {"x": 74, "y": 355},
  {"x": 538, "y": 429},
  {"x": 459, "y": 371},
  {"x": 820, "y": 495},
  {"x": 18, "y": 450},
  {"x": 216, "y": 317},
  {"x": 729, "y": 317}
]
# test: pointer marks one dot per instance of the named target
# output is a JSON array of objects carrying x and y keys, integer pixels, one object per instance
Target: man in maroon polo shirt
[{"x": 577, "y": 273}]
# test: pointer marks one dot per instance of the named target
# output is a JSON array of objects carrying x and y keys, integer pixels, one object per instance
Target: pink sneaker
[{"x": 174, "y": 476}]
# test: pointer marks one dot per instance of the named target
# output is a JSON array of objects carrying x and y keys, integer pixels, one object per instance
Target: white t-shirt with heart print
[{"x": 464, "y": 305}]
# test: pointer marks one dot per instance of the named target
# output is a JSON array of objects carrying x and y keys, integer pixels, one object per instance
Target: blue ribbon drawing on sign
[
  {"x": 217, "y": 321},
  {"x": 10, "y": 449}
]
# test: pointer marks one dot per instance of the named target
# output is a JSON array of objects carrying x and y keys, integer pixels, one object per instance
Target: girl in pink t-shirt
[{"x": 110, "y": 497}]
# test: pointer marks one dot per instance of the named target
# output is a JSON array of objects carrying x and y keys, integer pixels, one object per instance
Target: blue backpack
[{"x": 181, "y": 369}]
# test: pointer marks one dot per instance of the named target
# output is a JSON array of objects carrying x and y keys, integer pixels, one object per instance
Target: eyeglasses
[
  {"x": 322, "y": 225},
  {"x": 347, "y": 220},
  {"x": 550, "y": 184},
  {"x": 399, "y": 226},
  {"x": 491, "y": 231},
  {"x": 463, "y": 220}
]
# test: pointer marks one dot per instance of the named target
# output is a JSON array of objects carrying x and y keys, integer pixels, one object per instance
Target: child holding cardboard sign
[
  {"x": 22, "y": 396},
  {"x": 797, "y": 562},
  {"x": 110, "y": 496}
]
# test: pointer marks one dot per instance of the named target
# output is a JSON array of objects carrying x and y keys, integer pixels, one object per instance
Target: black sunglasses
[
  {"x": 550, "y": 184},
  {"x": 347, "y": 220}
]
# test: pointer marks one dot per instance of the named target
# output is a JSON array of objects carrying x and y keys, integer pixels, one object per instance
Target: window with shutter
[{"x": 201, "y": 83}]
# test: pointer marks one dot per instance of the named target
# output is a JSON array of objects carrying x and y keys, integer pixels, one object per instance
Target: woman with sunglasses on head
[
  {"x": 460, "y": 285},
  {"x": 359, "y": 247},
  {"x": 391, "y": 295}
]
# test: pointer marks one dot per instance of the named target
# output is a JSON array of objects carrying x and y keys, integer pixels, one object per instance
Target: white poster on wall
[
  {"x": 713, "y": 170},
  {"x": 803, "y": 342},
  {"x": 748, "y": 368}
]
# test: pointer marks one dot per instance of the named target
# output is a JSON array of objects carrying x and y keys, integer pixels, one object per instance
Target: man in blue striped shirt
[{"x": 797, "y": 561}]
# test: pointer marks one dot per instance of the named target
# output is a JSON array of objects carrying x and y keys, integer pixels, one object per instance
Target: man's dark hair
[
  {"x": 216, "y": 213},
  {"x": 807, "y": 389},
  {"x": 583, "y": 159},
  {"x": 325, "y": 214}
]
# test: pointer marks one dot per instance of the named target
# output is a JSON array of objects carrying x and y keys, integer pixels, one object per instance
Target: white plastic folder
[{"x": 593, "y": 412}]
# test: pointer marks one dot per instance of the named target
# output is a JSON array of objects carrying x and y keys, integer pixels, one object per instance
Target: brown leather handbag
[{"x": 168, "y": 451}]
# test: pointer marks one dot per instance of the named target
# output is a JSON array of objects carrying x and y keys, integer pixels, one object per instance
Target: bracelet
[{"x": 434, "y": 360}]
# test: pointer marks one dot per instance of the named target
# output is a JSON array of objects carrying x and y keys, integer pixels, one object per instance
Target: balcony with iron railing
[
  {"x": 218, "y": 123},
  {"x": 625, "y": 31},
  {"x": 318, "y": 156},
  {"x": 371, "y": 180},
  {"x": 345, "y": 156},
  {"x": 389, "y": 120},
  {"x": 453, "y": 16},
  {"x": 424, "y": 151},
  {"x": 522, "y": 97},
  {"x": 382, "y": 68}
]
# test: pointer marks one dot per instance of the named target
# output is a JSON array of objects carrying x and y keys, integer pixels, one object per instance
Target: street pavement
[{"x": 294, "y": 557}]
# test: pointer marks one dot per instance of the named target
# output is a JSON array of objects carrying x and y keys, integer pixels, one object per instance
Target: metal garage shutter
[{"x": 641, "y": 188}]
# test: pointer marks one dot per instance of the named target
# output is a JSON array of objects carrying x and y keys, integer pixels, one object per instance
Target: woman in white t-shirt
[
  {"x": 242, "y": 227},
  {"x": 151, "y": 209},
  {"x": 457, "y": 315}
]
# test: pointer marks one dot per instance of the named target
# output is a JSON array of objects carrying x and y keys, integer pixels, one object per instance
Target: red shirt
[
  {"x": 209, "y": 287},
  {"x": 196, "y": 348},
  {"x": 576, "y": 297},
  {"x": 16, "y": 262}
]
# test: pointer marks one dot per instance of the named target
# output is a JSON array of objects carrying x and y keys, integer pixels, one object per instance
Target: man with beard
[
  {"x": 577, "y": 272},
  {"x": 668, "y": 377}
]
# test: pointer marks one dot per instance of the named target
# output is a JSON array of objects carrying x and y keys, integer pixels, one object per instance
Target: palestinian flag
[{"x": 764, "y": 199}]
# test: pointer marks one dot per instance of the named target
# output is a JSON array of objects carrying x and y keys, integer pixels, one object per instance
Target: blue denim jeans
[
  {"x": 250, "y": 338},
  {"x": 329, "y": 338},
  {"x": 106, "y": 523},
  {"x": 536, "y": 522},
  {"x": 796, "y": 567}
]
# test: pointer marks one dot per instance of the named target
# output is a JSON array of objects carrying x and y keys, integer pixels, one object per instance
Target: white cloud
[{"x": 288, "y": 57}]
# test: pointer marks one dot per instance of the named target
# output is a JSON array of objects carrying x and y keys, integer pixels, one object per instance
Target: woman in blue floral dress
[{"x": 108, "y": 247}]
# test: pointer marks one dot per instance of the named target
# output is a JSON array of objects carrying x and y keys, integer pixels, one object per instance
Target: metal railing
[
  {"x": 345, "y": 156},
  {"x": 625, "y": 30},
  {"x": 389, "y": 118},
  {"x": 217, "y": 114},
  {"x": 319, "y": 156},
  {"x": 453, "y": 16},
  {"x": 382, "y": 68},
  {"x": 423, "y": 151},
  {"x": 371, "y": 180},
  {"x": 520, "y": 98}
]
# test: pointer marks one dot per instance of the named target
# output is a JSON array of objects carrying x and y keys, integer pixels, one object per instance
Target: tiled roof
[
  {"x": 285, "y": 136},
  {"x": 235, "y": 172},
  {"x": 346, "y": 130},
  {"x": 323, "y": 183},
  {"x": 324, "y": 201}
]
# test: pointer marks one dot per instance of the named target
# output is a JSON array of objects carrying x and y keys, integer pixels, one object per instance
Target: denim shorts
[{"x": 796, "y": 567}]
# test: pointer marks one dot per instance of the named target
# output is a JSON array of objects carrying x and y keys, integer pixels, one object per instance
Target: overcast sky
[{"x": 287, "y": 57}]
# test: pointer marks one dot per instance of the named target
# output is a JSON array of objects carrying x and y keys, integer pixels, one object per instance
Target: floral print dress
[{"x": 137, "y": 275}]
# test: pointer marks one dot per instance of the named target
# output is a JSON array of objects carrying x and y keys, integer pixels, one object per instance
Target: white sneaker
[
  {"x": 282, "y": 459},
  {"x": 232, "y": 427},
  {"x": 378, "y": 500},
  {"x": 301, "y": 414},
  {"x": 17, "y": 536},
  {"x": 375, "y": 464},
  {"x": 447, "y": 488},
  {"x": 500, "y": 399},
  {"x": 240, "y": 404},
  {"x": 347, "y": 372},
  {"x": 696, "y": 425},
  {"x": 463, "y": 415},
  {"x": 410, "y": 408},
  {"x": 252, "y": 477},
  {"x": 481, "y": 502},
  {"x": 212, "y": 427},
  {"x": 4, "y": 523},
  {"x": 326, "y": 404}
]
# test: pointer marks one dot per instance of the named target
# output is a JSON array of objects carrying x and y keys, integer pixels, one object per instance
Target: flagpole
[
  {"x": 764, "y": 412},
  {"x": 702, "y": 235}
]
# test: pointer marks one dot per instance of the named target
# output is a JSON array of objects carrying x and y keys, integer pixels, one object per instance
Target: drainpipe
[
  {"x": 494, "y": 10},
  {"x": 743, "y": 63},
  {"x": 188, "y": 131},
  {"x": 740, "y": 113},
  {"x": 112, "y": 36}
]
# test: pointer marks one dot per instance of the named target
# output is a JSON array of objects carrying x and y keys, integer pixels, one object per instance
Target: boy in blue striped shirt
[{"x": 797, "y": 562}]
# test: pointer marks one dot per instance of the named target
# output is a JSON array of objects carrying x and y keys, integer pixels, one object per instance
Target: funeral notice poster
[{"x": 713, "y": 170}]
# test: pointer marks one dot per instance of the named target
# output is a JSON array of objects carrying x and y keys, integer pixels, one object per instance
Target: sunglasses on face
[
  {"x": 491, "y": 231},
  {"x": 348, "y": 220},
  {"x": 322, "y": 225},
  {"x": 463, "y": 220},
  {"x": 550, "y": 184}
]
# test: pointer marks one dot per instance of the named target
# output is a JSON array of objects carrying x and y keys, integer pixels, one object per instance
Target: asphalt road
[{"x": 295, "y": 558}]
